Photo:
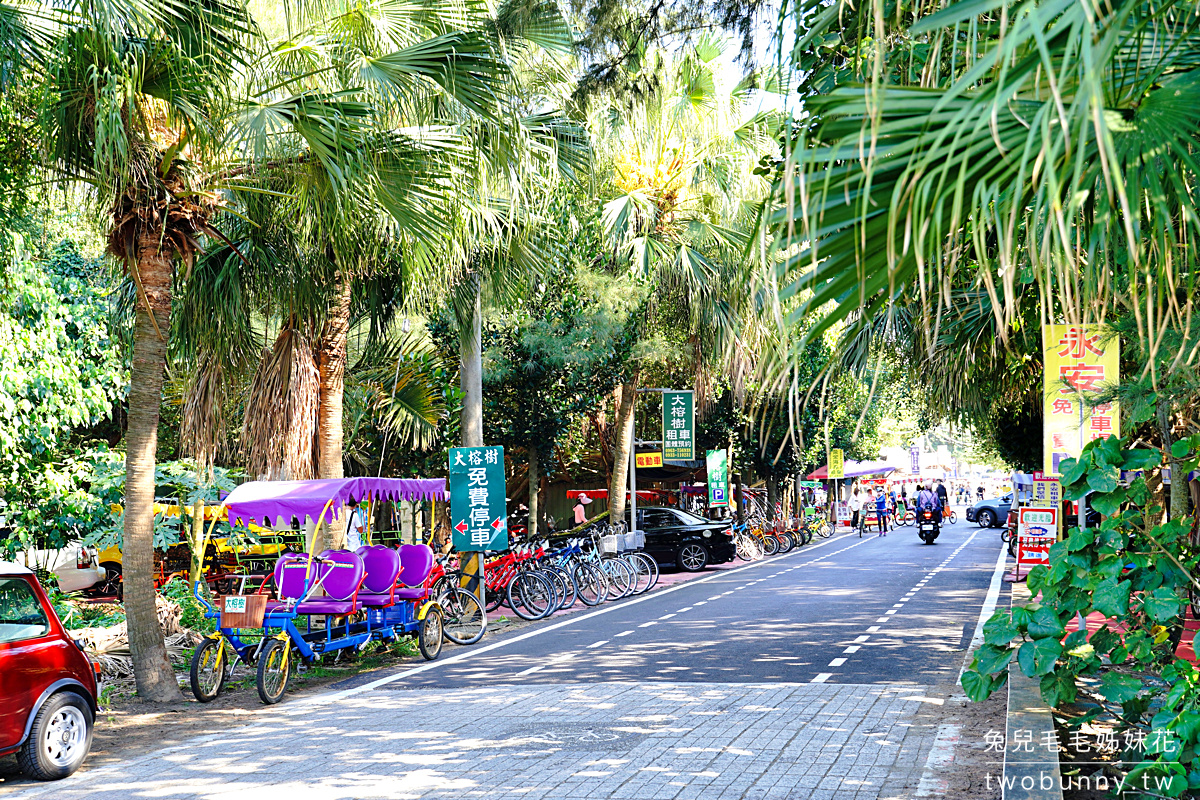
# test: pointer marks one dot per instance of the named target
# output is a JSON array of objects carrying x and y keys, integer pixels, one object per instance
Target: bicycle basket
[
  {"x": 639, "y": 539},
  {"x": 610, "y": 544}
]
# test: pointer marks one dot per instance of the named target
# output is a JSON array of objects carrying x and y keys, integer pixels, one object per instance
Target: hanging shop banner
[
  {"x": 837, "y": 470},
  {"x": 1046, "y": 491},
  {"x": 810, "y": 484},
  {"x": 478, "y": 507},
  {"x": 1082, "y": 361},
  {"x": 915, "y": 455},
  {"x": 648, "y": 460},
  {"x": 718, "y": 477},
  {"x": 679, "y": 423}
]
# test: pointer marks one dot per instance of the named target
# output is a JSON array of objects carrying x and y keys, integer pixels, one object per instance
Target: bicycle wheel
[
  {"x": 208, "y": 669},
  {"x": 641, "y": 573},
  {"x": 530, "y": 596},
  {"x": 651, "y": 565},
  {"x": 274, "y": 671},
  {"x": 592, "y": 584},
  {"x": 620, "y": 577},
  {"x": 769, "y": 544},
  {"x": 570, "y": 591},
  {"x": 463, "y": 621},
  {"x": 824, "y": 530},
  {"x": 560, "y": 587},
  {"x": 748, "y": 549},
  {"x": 786, "y": 542}
]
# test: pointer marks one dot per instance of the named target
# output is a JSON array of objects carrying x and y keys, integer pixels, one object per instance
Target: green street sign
[
  {"x": 478, "y": 509},
  {"x": 718, "y": 478},
  {"x": 679, "y": 425}
]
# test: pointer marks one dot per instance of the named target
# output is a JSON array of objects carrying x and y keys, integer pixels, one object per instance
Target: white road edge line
[
  {"x": 305, "y": 707},
  {"x": 986, "y": 611}
]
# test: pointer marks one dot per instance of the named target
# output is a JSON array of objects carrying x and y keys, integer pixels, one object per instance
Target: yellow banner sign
[
  {"x": 1081, "y": 363},
  {"x": 648, "y": 460},
  {"x": 836, "y": 468}
]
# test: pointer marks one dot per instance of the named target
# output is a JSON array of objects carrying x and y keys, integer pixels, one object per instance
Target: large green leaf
[
  {"x": 1119, "y": 688},
  {"x": 1162, "y": 605},
  {"x": 1045, "y": 623},
  {"x": 1111, "y": 598}
]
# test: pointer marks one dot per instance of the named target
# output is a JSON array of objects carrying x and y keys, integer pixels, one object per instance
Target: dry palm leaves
[
  {"x": 109, "y": 646},
  {"x": 279, "y": 430}
]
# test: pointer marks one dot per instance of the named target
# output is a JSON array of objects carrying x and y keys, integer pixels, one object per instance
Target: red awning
[
  {"x": 598, "y": 494},
  {"x": 855, "y": 469}
]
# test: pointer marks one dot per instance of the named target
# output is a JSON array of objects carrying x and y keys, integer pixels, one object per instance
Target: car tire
[
  {"x": 987, "y": 518},
  {"x": 59, "y": 738},
  {"x": 691, "y": 557}
]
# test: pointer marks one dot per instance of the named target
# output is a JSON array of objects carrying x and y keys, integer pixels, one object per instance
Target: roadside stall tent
[
  {"x": 855, "y": 469},
  {"x": 275, "y": 503}
]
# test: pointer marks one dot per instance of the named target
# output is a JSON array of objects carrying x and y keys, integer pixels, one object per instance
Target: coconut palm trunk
[
  {"x": 470, "y": 348},
  {"x": 535, "y": 480},
  {"x": 622, "y": 447},
  {"x": 331, "y": 361},
  {"x": 151, "y": 668}
]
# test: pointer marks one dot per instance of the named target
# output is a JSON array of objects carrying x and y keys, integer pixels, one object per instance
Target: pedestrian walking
[
  {"x": 856, "y": 505},
  {"x": 881, "y": 512},
  {"x": 356, "y": 526}
]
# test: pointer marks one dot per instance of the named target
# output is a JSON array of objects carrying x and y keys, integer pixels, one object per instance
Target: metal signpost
[
  {"x": 478, "y": 507},
  {"x": 717, "y": 462}
]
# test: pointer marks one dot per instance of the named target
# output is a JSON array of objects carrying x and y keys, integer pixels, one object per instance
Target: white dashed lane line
[{"x": 890, "y": 613}]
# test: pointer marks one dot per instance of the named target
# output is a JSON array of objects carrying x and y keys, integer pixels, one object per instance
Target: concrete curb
[{"x": 1031, "y": 768}]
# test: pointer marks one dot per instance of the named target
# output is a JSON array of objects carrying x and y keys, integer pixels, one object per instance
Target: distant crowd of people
[{"x": 886, "y": 502}]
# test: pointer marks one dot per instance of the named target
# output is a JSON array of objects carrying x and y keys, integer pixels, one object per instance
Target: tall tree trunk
[
  {"x": 470, "y": 348},
  {"x": 772, "y": 495},
  {"x": 737, "y": 498},
  {"x": 535, "y": 485},
  {"x": 1179, "y": 492},
  {"x": 151, "y": 668},
  {"x": 331, "y": 361},
  {"x": 622, "y": 447},
  {"x": 470, "y": 344}
]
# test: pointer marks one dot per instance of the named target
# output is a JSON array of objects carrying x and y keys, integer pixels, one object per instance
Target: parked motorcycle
[{"x": 928, "y": 526}]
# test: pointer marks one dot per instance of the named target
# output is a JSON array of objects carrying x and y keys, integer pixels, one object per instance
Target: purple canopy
[{"x": 267, "y": 501}]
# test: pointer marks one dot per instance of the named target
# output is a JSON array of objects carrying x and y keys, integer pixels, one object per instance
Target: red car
[{"x": 47, "y": 684}]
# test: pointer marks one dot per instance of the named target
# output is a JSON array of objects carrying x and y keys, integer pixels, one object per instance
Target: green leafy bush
[{"x": 1136, "y": 570}]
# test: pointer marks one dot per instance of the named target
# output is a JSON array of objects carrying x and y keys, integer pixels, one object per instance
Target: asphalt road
[
  {"x": 827, "y": 673},
  {"x": 885, "y": 610}
]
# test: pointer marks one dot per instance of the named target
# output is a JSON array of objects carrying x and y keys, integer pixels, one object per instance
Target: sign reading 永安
[
  {"x": 1081, "y": 362},
  {"x": 837, "y": 470},
  {"x": 678, "y": 422},
  {"x": 915, "y": 456},
  {"x": 718, "y": 477},
  {"x": 478, "y": 509}
]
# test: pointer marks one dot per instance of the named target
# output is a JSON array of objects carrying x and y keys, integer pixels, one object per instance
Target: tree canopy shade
[{"x": 1052, "y": 140}]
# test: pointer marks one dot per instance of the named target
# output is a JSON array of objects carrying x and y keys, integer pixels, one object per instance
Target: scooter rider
[{"x": 927, "y": 498}]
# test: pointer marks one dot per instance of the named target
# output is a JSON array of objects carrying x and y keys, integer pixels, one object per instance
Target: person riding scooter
[{"x": 929, "y": 514}]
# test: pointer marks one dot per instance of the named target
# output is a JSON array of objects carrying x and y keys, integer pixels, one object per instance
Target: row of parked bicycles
[
  {"x": 536, "y": 579},
  {"x": 759, "y": 537}
]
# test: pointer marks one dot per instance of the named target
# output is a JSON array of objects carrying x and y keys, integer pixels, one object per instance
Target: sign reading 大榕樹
[
  {"x": 718, "y": 477},
  {"x": 678, "y": 423},
  {"x": 478, "y": 508}
]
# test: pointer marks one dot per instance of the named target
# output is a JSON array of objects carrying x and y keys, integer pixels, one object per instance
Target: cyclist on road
[
  {"x": 881, "y": 512},
  {"x": 943, "y": 495}
]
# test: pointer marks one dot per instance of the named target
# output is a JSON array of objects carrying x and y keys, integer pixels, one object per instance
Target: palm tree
[
  {"x": 1061, "y": 153},
  {"x": 680, "y": 157},
  {"x": 371, "y": 190},
  {"x": 128, "y": 95}
]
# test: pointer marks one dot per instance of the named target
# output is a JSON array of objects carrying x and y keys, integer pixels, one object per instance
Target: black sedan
[
  {"x": 685, "y": 540},
  {"x": 991, "y": 512}
]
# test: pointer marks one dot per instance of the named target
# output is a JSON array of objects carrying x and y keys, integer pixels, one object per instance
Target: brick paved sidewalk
[{"x": 543, "y": 741}]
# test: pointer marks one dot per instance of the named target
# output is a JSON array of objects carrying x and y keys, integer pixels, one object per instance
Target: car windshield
[
  {"x": 691, "y": 519},
  {"x": 21, "y": 615}
]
